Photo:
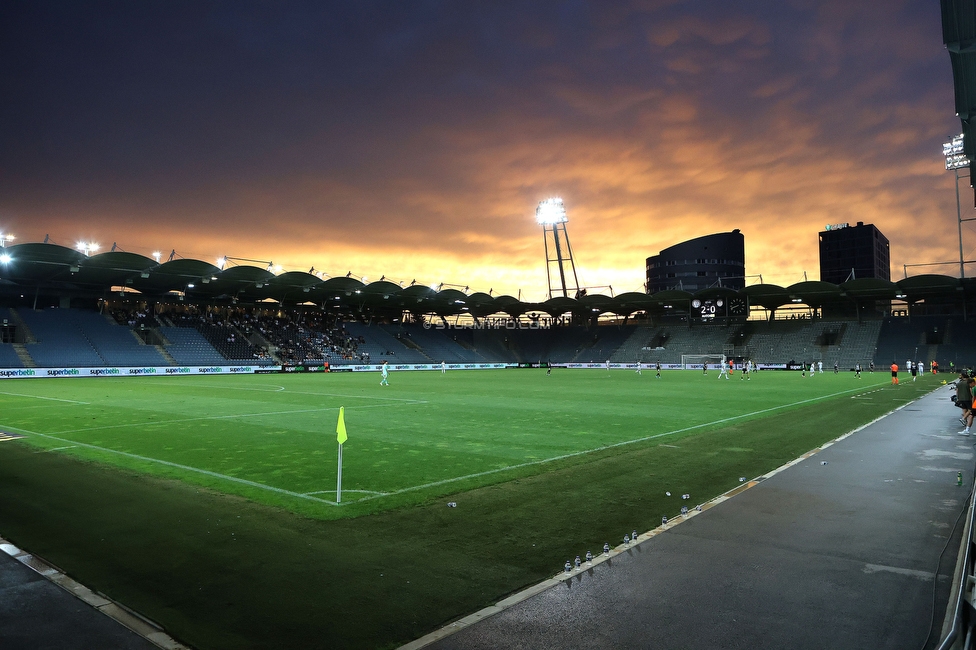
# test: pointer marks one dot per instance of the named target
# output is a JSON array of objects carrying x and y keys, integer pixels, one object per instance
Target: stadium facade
[{"x": 717, "y": 260}]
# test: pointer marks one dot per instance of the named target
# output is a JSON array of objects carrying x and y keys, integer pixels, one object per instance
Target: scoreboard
[{"x": 707, "y": 309}]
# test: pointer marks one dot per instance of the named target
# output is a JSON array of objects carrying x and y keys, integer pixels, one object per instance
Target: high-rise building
[
  {"x": 851, "y": 252},
  {"x": 717, "y": 260}
]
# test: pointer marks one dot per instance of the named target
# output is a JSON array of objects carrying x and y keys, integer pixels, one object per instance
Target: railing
[{"x": 963, "y": 584}]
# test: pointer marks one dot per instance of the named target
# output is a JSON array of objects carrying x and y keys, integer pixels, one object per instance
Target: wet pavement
[{"x": 839, "y": 550}]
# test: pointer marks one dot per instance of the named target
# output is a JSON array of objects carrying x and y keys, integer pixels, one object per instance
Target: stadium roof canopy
[{"x": 61, "y": 271}]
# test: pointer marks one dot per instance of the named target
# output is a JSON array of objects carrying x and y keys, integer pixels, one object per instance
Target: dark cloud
[{"x": 353, "y": 133}]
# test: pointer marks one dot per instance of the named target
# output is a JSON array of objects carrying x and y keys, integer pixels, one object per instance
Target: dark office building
[
  {"x": 709, "y": 261},
  {"x": 852, "y": 252}
]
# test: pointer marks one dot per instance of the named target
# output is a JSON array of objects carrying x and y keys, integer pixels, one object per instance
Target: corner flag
[{"x": 341, "y": 436}]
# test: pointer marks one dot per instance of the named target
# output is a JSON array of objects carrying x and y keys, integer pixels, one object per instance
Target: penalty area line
[
  {"x": 186, "y": 468},
  {"x": 610, "y": 446}
]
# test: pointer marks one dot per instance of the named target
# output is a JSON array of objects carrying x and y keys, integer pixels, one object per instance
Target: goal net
[{"x": 695, "y": 361}]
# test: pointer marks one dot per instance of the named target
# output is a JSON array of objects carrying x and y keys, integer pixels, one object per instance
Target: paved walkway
[
  {"x": 38, "y": 614},
  {"x": 840, "y": 550}
]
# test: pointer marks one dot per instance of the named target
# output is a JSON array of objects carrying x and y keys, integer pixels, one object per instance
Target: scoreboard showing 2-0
[
  {"x": 711, "y": 308},
  {"x": 708, "y": 308}
]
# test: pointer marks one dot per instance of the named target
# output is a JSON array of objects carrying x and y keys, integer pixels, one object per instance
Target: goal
[{"x": 695, "y": 361}]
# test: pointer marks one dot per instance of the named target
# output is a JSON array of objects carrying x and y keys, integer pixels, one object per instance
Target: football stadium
[
  {"x": 177, "y": 424},
  {"x": 225, "y": 454}
]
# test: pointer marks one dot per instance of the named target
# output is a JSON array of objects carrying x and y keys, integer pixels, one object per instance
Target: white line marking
[
  {"x": 60, "y": 448},
  {"x": 275, "y": 387},
  {"x": 53, "y": 399},
  {"x": 223, "y": 417},
  {"x": 344, "y": 490},
  {"x": 186, "y": 468}
]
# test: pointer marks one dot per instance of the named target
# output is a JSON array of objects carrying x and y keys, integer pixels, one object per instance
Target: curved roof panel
[
  {"x": 814, "y": 292},
  {"x": 342, "y": 285},
  {"x": 176, "y": 275},
  {"x": 382, "y": 288},
  {"x": 870, "y": 289},
  {"x": 559, "y": 305},
  {"x": 921, "y": 286},
  {"x": 598, "y": 303},
  {"x": 40, "y": 263},
  {"x": 114, "y": 268},
  {"x": 628, "y": 303},
  {"x": 769, "y": 296}
]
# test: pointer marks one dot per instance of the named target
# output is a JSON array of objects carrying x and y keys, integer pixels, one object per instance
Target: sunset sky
[{"x": 415, "y": 139}]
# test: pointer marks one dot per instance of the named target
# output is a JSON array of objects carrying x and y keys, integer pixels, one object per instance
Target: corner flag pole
[{"x": 340, "y": 438}]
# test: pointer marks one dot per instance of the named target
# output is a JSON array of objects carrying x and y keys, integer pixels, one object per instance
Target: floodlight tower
[
  {"x": 551, "y": 214},
  {"x": 956, "y": 159}
]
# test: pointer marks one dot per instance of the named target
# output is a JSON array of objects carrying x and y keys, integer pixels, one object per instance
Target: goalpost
[{"x": 695, "y": 361}]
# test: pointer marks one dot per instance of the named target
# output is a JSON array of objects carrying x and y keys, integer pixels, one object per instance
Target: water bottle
[
  {"x": 626, "y": 540},
  {"x": 577, "y": 562},
  {"x": 589, "y": 559},
  {"x": 684, "y": 510},
  {"x": 664, "y": 521},
  {"x": 606, "y": 548},
  {"x": 569, "y": 567},
  {"x": 633, "y": 536}
]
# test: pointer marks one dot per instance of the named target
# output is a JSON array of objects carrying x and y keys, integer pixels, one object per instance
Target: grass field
[{"x": 208, "y": 503}]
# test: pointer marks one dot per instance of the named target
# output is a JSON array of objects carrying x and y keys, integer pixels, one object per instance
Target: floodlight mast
[
  {"x": 956, "y": 159},
  {"x": 551, "y": 215}
]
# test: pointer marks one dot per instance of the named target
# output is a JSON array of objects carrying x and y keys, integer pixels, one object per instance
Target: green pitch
[
  {"x": 208, "y": 503},
  {"x": 271, "y": 438}
]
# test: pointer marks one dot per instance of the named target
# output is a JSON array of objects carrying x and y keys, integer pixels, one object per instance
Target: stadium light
[
  {"x": 156, "y": 255},
  {"x": 5, "y": 259},
  {"x": 87, "y": 247},
  {"x": 221, "y": 262},
  {"x": 4, "y": 238},
  {"x": 551, "y": 211},
  {"x": 956, "y": 159}
]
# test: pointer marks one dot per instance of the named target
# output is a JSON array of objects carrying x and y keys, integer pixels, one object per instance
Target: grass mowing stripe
[
  {"x": 221, "y": 417},
  {"x": 475, "y": 426},
  {"x": 610, "y": 446},
  {"x": 53, "y": 399},
  {"x": 378, "y": 495},
  {"x": 279, "y": 389},
  {"x": 187, "y": 468}
]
